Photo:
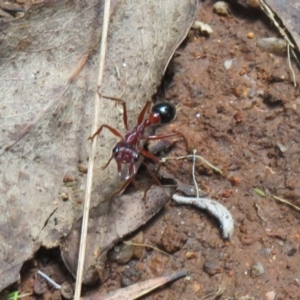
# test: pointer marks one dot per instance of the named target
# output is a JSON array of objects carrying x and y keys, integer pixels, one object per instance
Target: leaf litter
[{"x": 46, "y": 136}]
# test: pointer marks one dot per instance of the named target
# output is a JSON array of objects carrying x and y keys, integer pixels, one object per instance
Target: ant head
[
  {"x": 125, "y": 153},
  {"x": 166, "y": 111}
]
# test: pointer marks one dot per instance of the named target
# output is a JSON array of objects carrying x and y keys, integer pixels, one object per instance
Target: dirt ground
[{"x": 238, "y": 107}]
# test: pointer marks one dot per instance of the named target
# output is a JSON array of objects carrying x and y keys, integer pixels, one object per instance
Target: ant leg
[
  {"x": 154, "y": 176},
  {"x": 163, "y": 136},
  {"x": 125, "y": 117},
  {"x": 112, "y": 130},
  {"x": 142, "y": 113},
  {"x": 124, "y": 185},
  {"x": 149, "y": 155}
]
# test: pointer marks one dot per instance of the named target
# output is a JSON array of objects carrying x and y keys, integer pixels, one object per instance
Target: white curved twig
[{"x": 215, "y": 208}]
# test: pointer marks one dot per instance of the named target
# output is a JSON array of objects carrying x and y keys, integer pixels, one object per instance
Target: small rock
[
  {"x": 202, "y": 27},
  {"x": 172, "y": 239},
  {"x": 82, "y": 168},
  {"x": 292, "y": 251},
  {"x": 212, "y": 267},
  {"x": 228, "y": 64},
  {"x": 250, "y": 35},
  {"x": 190, "y": 254},
  {"x": 281, "y": 147},
  {"x": 66, "y": 290},
  {"x": 257, "y": 270},
  {"x": 221, "y": 8},
  {"x": 130, "y": 275},
  {"x": 196, "y": 287},
  {"x": 253, "y": 3},
  {"x": 272, "y": 44},
  {"x": 64, "y": 196},
  {"x": 121, "y": 254},
  {"x": 270, "y": 295},
  {"x": 158, "y": 264},
  {"x": 69, "y": 177},
  {"x": 278, "y": 93},
  {"x": 265, "y": 252}
]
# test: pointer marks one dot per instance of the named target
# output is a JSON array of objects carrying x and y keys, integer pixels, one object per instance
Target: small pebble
[
  {"x": 221, "y": 8},
  {"x": 130, "y": 275},
  {"x": 270, "y": 295},
  {"x": 202, "y": 27},
  {"x": 121, "y": 253},
  {"x": 69, "y": 177},
  {"x": 66, "y": 290},
  {"x": 172, "y": 239},
  {"x": 272, "y": 44},
  {"x": 257, "y": 270},
  {"x": 212, "y": 268},
  {"x": 281, "y": 147},
  {"x": 228, "y": 64},
  {"x": 196, "y": 287},
  {"x": 82, "y": 168},
  {"x": 253, "y": 3},
  {"x": 190, "y": 255},
  {"x": 64, "y": 196},
  {"x": 250, "y": 35}
]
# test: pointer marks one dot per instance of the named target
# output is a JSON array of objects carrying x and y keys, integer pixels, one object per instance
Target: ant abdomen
[{"x": 166, "y": 111}]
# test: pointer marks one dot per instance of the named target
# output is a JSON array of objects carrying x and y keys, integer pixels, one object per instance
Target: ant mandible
[{"x": 128, "y": 149}]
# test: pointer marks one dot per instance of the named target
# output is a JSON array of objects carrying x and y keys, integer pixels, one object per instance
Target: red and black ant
[{"x": 128, "y": 150}]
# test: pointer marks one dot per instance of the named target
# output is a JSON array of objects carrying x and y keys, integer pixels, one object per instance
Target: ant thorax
[{"x": 134, "y": 136}]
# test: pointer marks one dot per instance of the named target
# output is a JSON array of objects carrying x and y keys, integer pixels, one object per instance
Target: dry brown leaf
[
  {"x": 39, "y": 56},
  {"x": 137, "y": 290},
  {"x": 127, "y": 213}
]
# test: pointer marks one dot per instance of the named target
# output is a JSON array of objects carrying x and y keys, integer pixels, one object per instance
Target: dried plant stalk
[{"x": 89, "y": 182}]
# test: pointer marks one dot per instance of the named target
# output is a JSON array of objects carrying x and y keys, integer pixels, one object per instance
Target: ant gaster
[{"x": 128, "y": 149}]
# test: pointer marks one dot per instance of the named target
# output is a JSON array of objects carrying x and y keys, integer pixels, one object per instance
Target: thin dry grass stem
[
  {"x": 193, "y": 171},
  {"x": 12, "y": 296},
  {"x": 286, "y": 202},
  {"x": 290, "y": 65},
  {"x": 163, "y": 160},
  {"x": 85, "y": 218},
  {"x": 290, "y": 45},
  {"x": 148, "y": 246},
  {"x": 259, "y": 212},
  {"x": 219, "y": 292}
]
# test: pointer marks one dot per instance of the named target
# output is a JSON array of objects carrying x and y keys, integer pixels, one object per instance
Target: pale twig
[
  {"x": 51, "y": 281},
  {"x": 290, "y": 65},
  {"x": 215, "y": 208},
  {"x": 286, "y": 202},
  {"x": 147, "y": 246},
  {"x": 88, "y": 192},
  {"x": 219, "y": 292},
  {"x": 192, "y": 156},
  {"x": 194, "y": 177},
  {"x": 271, "y": 15}
]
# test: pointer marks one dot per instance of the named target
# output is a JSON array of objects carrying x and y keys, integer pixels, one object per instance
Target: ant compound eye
[
  {"x": 115, "y": 150},
  {"x": 166, "y": 111}
]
